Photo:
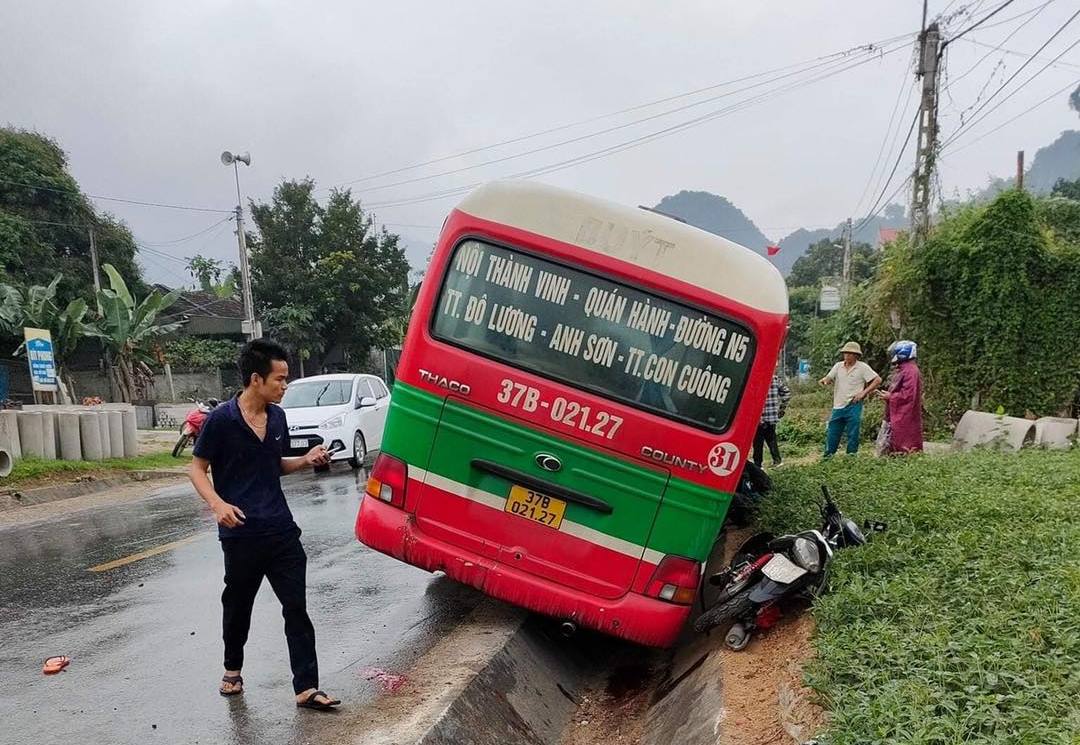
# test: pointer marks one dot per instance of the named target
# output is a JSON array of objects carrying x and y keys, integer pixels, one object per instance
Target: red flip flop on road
[{"x": 53, "y": 665}]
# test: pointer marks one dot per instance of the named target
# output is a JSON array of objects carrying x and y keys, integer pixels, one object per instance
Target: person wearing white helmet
[
  {"x": 852, "y": 380},
  {"x": 903, "y": 400}
]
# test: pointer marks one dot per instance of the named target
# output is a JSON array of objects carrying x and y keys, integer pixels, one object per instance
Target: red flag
[{"x": 773, "y": 250}]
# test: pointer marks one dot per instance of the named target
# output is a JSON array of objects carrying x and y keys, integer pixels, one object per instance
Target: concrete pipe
[
  {"x": 68, "y": 430},
  {"x": 1056, "y": 433},
  {"x": 977, "y": 428},
  {"x": 131, "y": 434},
  {"x": 6, "y": 463},
  {"x": 31, "y": 435},
  {"x": 116, "y": 433},
  {"x": 103, "y": 427},
  {"x": 90, "y": 431},
  {"x": 50, "y": 435},
  {"x": 9, "y": 433}
]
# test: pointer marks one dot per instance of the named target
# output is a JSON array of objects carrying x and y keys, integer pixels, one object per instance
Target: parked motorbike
[
  {"x": 193, "y": 424},
  {"x": 767, "y": 570}
]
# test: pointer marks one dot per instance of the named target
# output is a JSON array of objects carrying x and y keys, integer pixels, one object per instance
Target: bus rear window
[{"x": 592, "y": 333}]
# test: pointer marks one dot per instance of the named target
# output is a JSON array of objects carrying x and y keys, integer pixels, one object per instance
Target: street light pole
[{"x": 252, "y": 329}]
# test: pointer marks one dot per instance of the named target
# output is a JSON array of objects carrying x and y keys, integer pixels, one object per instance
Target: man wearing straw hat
[{"x": 852, "y": 380}]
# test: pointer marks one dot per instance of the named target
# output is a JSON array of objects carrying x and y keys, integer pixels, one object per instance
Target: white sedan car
[{"x": 346, "y": 411}]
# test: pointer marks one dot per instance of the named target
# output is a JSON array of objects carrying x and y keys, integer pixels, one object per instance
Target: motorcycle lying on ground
[
  {"x": 767, "y": 570},
  {"x": 193, "y": 424}
]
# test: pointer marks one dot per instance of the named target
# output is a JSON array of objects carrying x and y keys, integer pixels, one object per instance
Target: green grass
[
  {"x": 33, "y": 469},
  {"x": 961, "y": 624}
]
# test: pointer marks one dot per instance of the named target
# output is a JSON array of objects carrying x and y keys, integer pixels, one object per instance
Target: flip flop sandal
[
  {"x": 53, "y": 665},
  {"x": 311, "y": 703},
  {"x": 232, "y": 680}
]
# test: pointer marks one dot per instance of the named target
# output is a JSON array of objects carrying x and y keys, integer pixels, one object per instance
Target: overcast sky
[{"x": 145, "y": 95}]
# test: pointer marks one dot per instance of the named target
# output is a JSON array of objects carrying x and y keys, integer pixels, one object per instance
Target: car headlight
[
  {"x": 807, "y": 555},
  {"x": 333, "y": 423}
]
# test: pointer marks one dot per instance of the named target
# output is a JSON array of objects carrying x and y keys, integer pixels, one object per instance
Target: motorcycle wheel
[
  {"x": 732, "y": 609},
  {"x": 180, "y": 445}
]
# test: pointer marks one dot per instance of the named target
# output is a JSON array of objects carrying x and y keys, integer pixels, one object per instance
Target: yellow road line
[{"x": 147, "y": 553}]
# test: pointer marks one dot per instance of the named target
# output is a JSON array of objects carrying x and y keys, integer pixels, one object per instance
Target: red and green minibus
[{"x": 577, "y": 392}]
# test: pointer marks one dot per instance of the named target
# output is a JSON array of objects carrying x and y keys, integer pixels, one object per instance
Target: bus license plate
[
  {"x": 535, "y": 506},
  {"x": 296, "y": 444}
]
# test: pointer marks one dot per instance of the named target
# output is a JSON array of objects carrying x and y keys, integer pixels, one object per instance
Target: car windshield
[{"x": 317, "y": 393}]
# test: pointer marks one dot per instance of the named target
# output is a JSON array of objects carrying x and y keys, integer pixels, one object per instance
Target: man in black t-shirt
[{"x": 241, "y": 444}]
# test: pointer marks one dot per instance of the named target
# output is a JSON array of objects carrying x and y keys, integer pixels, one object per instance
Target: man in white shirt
[{"x": 852, "y": 380}]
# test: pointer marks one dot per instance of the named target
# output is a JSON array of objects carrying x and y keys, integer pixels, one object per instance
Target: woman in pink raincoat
[{"x": 903, "y": 400}]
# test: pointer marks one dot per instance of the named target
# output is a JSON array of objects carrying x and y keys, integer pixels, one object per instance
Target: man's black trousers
[
  {"x": 281, "y": 559},
  {"x": 766, "y": 435}
]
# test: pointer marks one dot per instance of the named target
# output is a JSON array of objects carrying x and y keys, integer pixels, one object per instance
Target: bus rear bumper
[{"x": 633, "y": 616}]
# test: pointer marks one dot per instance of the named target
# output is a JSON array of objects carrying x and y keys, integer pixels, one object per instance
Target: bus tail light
[
  {"x": 388, "y": 479},
  {"x": 675, "y": 580}
]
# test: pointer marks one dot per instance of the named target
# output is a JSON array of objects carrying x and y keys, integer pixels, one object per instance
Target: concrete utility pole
[
  {"x": 252, "y": 329},
  {"x": 94, "y": 263},
  {"x": 926, "y": 152},
  {"x": 1020, "y": 170},
  {"x": 847, "y": 255}
]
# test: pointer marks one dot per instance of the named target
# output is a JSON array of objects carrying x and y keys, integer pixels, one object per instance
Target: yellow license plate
[{"x": 535, "y": 506}]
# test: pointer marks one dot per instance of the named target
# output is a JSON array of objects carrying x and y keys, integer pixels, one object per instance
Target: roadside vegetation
[
  {"x": 961, "y": 623},
  {"x": 30, "y": 471}
]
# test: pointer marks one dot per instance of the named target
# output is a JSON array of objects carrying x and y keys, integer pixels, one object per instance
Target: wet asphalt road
[{"x": 145, "y": 639}]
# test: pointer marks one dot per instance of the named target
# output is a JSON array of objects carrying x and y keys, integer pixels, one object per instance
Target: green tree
[
  {"x": 45, "y": 221},
  {"x": 993, "y": 297},
  {"x": 129, "y": 329},
  {"x": 826, "y": 259},
  {"x": 1067, "y": 189},
  {"x": 208, "y": 273},
  {"x": 330, "y": 262}
]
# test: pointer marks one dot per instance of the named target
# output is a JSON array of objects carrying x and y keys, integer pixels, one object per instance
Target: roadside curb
[
  {"x": 15, "y": 498},
  {"x": 501, "y": 678}
]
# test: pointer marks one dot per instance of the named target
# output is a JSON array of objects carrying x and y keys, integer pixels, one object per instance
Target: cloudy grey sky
[{"x": 144, "y": 95}]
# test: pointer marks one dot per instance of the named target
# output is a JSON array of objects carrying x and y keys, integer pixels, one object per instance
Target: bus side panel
[
  {"x": 687, "y": 524},
  {"x": 410, "y": 430}
]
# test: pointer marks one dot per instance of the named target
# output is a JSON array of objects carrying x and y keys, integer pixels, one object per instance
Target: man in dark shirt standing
[{"x": 241, "y": 442}]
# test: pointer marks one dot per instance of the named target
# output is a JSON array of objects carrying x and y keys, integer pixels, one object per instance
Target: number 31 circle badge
[{"x": 723, "y": 459}]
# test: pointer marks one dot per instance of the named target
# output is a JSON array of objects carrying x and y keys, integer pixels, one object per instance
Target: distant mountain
[
  {"x": 716, "y": 215},
  {"x": 1058, "y": 160},
  {"x": 719, "y": 216}
]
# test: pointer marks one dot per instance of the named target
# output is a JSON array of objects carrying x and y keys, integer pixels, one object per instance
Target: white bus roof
[{"x": 647, "y": 239}]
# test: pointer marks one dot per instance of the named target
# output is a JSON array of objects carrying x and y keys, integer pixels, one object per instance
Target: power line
[
  {"x": 1012, "y": 77},
  {"x": 896, "y": 165},
  {"x": 978, "y": 23},
  {"x": 1026, "y": 55},
  {"x": 888, "y": 135},
  {"x": 633, "y": 142},
  {"x": 114, "y": 199},
  {"x": 998, "y": 47},
  {"x": 1026, "y": 111},
  {"x": 608, "y": 130},
  {"x": 187, "y": 238},
  {"x": 865, "y": 47}
]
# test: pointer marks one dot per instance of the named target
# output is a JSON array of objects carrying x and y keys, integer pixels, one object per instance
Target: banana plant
[
  {"x": 128, "y": 329},
  {"x": 38, "y": 309}
]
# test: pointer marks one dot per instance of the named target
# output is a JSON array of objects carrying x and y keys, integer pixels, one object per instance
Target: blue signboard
[
  {"x": 804, "y": 369},
  {"x": 39, "y": 352}
]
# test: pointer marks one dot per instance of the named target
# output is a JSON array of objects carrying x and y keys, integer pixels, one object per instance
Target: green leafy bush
[
  {"x": 192, "y": 353},
  {"x": 961, "y": 623}
]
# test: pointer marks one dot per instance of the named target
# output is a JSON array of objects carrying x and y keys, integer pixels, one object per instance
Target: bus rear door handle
[{"x": 546, "y": 487}]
